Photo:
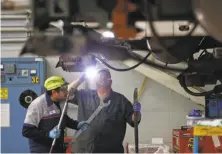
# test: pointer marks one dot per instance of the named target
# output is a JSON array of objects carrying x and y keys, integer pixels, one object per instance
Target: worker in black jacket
[
  {"x": 107, "y": 130},
  {"x": 42, "y": 118}
]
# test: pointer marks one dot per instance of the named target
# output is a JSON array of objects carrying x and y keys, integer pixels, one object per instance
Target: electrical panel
[{"x": 22, "y": 81}]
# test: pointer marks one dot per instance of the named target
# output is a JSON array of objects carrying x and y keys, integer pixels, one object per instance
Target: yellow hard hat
[{"x": 54, "y": 82}]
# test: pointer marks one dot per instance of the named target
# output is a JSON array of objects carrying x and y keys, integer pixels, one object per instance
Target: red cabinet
[{"x": 183, "y": 142}]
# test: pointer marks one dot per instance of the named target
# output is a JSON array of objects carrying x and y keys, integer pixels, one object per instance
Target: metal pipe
[
  {"x": 16, "y": 23},
  {"x": 196, "y": 145},
  {"x": 14, "y": 40},
  {"x": 15, "y": 12},
  {"x": 13, "y": 17},
  {"x": 73, "y": 87},
  {"x": 136, "y": 117},
  {"x": 13, "y": 35},
  {"x": 61, "y": 119},
  {"x": 15, "y": 29}
]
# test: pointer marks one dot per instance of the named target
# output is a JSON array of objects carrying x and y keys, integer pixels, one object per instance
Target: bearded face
[{"x": 103, "y": 79}]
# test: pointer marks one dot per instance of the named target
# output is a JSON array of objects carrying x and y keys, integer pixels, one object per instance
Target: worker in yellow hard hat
[
  {"x": 42, "y": 118},
  {"x": 57, "y": 87}
]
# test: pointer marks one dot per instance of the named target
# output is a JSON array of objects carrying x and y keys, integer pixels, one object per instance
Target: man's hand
[
  {"x": 137, "y": 107},
  {"x": 55, "y": 132},
  {"x": 83, "y": 125}
]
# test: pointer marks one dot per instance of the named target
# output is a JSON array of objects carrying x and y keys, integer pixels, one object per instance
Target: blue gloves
[
  {"x": 83, "y": 125},
  {"x": 195, "y": 113},
  {"x": 55, "y": 132},
  {"x": 136, "y": 107}
]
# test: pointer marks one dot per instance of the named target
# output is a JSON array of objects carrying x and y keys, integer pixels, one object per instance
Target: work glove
[
  {"x": 55, "y": 132},
  {"x": 195, "y": 113},
  {"x": 83, "y": 125},
  {"x": 136, "y": 107}
]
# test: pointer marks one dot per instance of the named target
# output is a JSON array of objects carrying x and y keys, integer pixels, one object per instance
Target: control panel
[
  {"x": 18, "y": 73},
  {"x": 22, "y": 81}
]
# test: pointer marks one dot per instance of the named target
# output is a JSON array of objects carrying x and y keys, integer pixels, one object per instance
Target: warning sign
[{"x": 4, "y": 93}]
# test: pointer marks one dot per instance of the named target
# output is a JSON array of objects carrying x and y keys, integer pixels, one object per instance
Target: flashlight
[{"x": 91, "y": 72}]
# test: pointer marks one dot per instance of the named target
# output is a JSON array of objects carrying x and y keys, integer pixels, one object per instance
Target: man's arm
[
  {"x": 129, "y": 112},
  {"x": 72, "y": 88},
  {"x": 30, "y": 127},
  {"x": 32, "y": 132},
  {"x": 74, "y": 85},
  {"x": 71, "y": 123}
]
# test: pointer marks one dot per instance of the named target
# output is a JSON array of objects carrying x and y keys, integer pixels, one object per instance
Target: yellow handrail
[{"x": 140, "y": 91}]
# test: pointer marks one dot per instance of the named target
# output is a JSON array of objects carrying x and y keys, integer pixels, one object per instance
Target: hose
[{"x": 124, "y": 69}]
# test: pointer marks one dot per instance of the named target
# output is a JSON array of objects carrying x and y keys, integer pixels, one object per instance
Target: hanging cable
[
  {"x": 142, "y": 59},
  {"x": 139, "y": 58},
  {"x": 123, "y": 69},
  {"x": 157, "y": 66},
  {"x": 217, "y": 89}
]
